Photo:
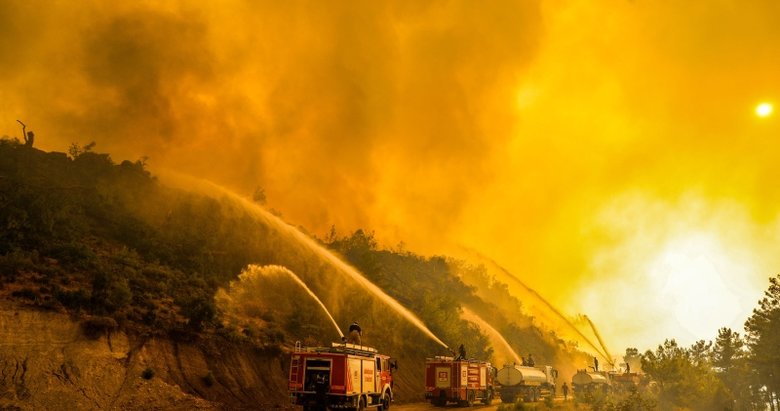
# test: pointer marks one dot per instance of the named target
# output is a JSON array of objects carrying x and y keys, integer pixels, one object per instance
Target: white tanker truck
[
  {"x": 584, "y": 381},
  {"x": 528, "y": 383}
]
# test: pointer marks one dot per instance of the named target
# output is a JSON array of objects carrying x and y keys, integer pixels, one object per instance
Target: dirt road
[{"x": 425, "y": 406}]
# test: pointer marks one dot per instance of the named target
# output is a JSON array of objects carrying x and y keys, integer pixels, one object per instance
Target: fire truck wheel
[
  {"x": 488, "y": 397},
  {"x": 441, "y": 401},
  {"x": 385, "y": 402},
  {"x": 469, "y": 401}
]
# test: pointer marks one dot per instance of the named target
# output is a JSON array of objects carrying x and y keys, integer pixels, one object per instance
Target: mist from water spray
[
  {"x": 325, "y": 254},
  {"x": 252, "y": 268},
  {"x": 469, "y": 315},
  {"x": 543, "y": 301},
  {"x": 598, "y": 337},
  {"x": 328, "y": 256},
  {"x": 242, "y": 296}
]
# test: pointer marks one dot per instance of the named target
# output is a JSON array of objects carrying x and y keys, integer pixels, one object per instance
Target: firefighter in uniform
[
  {"x": 355, "y": 334},
  {"x": 461, "y": 353}
]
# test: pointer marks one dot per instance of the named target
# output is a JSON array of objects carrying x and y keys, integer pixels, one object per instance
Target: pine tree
[
  {"x": 729, "y": 358},
  {"x": 763, "y": 337}
]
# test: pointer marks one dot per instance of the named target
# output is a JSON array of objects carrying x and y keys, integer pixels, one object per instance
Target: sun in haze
[{"x": 764, "y": 110}]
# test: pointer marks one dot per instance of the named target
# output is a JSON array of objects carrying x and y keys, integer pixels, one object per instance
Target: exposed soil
[{"x": 46, "y": 362}]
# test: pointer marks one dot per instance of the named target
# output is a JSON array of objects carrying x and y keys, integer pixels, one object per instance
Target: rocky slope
[{"x": 46, "y": 362}]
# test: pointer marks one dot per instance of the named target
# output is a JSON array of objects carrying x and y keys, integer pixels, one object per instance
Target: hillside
[
  {"x": 128, "y": 269},
  {"x": 47, "y": 362}
]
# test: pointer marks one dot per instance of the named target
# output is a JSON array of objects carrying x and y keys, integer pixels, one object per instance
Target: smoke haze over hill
[{"x": 606, "y": 154}]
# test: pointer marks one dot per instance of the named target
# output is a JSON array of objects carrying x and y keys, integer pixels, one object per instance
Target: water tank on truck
[
  {"x": 584, "y": 381},
  {"x": 528, "y": 383}
]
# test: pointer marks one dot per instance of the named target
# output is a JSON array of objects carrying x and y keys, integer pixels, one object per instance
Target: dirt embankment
[{"x": 46, "y": 362}]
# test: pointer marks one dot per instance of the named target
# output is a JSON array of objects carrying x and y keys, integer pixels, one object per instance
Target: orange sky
[{"x": 606, "y": 153}]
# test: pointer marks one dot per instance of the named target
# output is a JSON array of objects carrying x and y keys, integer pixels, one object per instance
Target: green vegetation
[
  {"x": 425, "y": 285},
  {"x": 733, "y": 373},
  {"x": 95, "y": 327},
  {"x": 763, "y": 341},
  {"x": 76, "y": 228},
  {"x": 435, "y": 289},
  {"x": 110, "y": 244},
  {"x": 117, "y": 250},
  {"x": 634, "y": 399}
]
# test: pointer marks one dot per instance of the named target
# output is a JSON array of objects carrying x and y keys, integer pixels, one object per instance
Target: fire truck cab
[
  {"x": 342, "y": 376},
  {"x": 461, "y": 381}
]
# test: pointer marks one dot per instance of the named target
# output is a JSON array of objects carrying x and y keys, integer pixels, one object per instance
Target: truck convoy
[
  {"x": 460, "y": 381},
  {"x": 527, "y": 383},
  {"x": 342, "y": 376}
]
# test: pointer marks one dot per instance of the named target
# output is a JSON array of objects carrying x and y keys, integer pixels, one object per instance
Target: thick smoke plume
[
  {"x": 334, "y": 109},
  {"x": 571, "y": 141}
]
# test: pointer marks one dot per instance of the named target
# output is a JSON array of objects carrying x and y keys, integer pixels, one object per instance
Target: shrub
[
  {"x": 198, "y": 310},
  {"x": 230, "y": 333},
  {"x": 74, "y": 255},
  {"x": 26, "y": 293},
  {"x": 208, "y": 379},
  {"x": 15, "y": 262},
  {"x": 72, "y": 299},
  {"x": 274, "y": 334},
  {"x": 147, "y": 373},
  {"x": 94, "y": 327},
  {"x": 149, "y": 317},
  {"x": 110, "y": 291}
]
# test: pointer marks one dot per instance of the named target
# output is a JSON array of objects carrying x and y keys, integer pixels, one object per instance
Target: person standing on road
[{"x": 565, "y": 392}]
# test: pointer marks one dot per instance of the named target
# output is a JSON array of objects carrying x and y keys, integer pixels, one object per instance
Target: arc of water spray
[
  {"x": 328, "y": 256},
  {"x": 598, "y": 337},
  {"x": 352, "y": 272},
  {"x": 473, "y": 317},
  {"x": 544, "y": 301},
  {"x": 300, "y": 282}
]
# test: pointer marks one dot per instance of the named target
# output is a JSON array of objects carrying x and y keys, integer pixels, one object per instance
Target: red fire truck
[
  {"x": 342, "y": 376},
  {"x": 455, "y": 380}
]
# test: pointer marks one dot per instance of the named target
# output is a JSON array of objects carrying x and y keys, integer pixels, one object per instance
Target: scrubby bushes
[
  {"x": 87, "y": 229},
  {"x": 95, "y": 327}
]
